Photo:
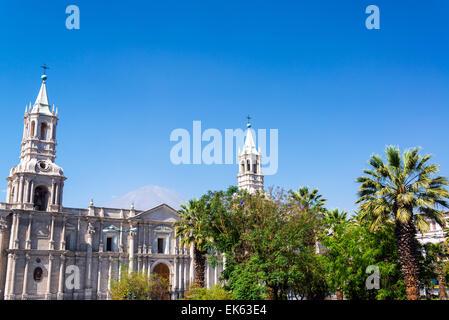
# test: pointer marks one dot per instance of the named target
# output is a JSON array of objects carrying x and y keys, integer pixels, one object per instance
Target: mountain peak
[{"x": 148, "y": 197}]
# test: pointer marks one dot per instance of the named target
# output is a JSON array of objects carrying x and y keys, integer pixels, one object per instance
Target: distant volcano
[{"x": 148, "y": 197}]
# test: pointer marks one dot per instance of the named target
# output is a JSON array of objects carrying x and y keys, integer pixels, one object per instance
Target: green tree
[
  {"x": 404, "y": 191},
  {"x": 139, "y": 286},
  {"x": 269, "y": 243},
  {"x": 217, "y": 292},
  {"x": 350, "y": 247}
]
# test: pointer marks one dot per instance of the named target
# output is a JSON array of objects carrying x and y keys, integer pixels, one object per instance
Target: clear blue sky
[{"x": 136, "y": 70}]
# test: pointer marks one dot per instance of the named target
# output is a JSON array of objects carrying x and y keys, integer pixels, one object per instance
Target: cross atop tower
[{"x": 45, "y": 67}]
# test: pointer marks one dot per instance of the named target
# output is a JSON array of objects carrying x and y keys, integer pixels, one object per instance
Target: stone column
[
  {"x": 99, "y": 294},
  {"x": 88, "y": 286},
  {"x": 139, "y": 264},
  {"x": 77, "y": 245},
  {"x": 186, "y": 282},
  {"x": 100, "y": 231},
  {"x": 26, "y": 191},
  {"x": 51, "y": 244},
  {"x": 20, "y": 191},
  {"x": 11, "y": 233},
  {"x": 16, "y": 231},
  {"x": 53, "y": 191},
  {"x": 3, "y": 257},
  {"x": 145, "y": 265},
  {"x": 119, "y": 267},
  {"x": 131, "y": 237},
  {"x": 16, "y": 194},
  {"x": 8, "y": 192},
  {"x": 121, "y": 238},
  {"x": 62, "y": 245},
  {"x": 59, "y": 193},
  {"x": 191, "y": 269},
  {"x": 61, "y": 278},
  {"x": 28, "y": 236},
  {"x": 32, "y": 193},
  {"x": 50, "y": 270},
  {"x": 139, "y": 239},
  {"x": 207, "y": 275},
  {"x": 176, "y": 276},
  {"x": 109, "y": 278},
  {"x": 10, "y": 276},
  {"x": 56, "y": 194},
  {"x": 25, "y": 277},
  {"x": 150, "y": 240},
  {"x": 216, "y": 274}
]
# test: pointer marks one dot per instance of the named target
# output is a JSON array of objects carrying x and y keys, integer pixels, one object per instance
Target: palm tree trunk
[
  {"x": 199, "y": 259},
  {"x": 408, "y": 257},
  {"x": 441, "y": 284}
]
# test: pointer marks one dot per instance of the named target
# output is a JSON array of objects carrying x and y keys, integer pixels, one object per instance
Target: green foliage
[
  {"x": 245, "y": 284},
  {"x": 350, "y": 248},
  {"x": 217, "y": 292},
  {"x": 266, "y": 239},
  {"x": 139, "y": 286}
]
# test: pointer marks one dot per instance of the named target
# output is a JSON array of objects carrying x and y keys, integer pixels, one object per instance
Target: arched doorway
[
  {"x": 164, "y": 272},
  {"x": 40, "y": 200}
]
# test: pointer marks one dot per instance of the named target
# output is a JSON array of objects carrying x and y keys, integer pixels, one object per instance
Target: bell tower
[
  {"x": 37, "y": 183},
  {"x": 250, "y": 175}
]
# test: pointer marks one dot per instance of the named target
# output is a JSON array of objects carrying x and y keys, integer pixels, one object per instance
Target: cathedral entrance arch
[
  {"x": 162, "y": 270},
  {"x": 40, "y": 200}
]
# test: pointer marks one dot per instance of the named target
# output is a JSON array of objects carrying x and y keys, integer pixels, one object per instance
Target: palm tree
[
  {"x": 190, "y": 231},
  {"x": 404, "y": 191},
  {"x": 335, "y": 216},
  {"x": 309, "y": 200}
]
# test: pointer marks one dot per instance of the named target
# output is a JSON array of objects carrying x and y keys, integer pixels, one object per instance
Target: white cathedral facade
[{"x": 42, "y": 242}]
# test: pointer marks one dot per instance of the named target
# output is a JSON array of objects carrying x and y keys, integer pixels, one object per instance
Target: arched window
[
  {"x": 33, "y": 127},
  {"x": 255, "y": 167},
  {"x": 248, "y": 166},
  {"x": 70, "y": 240},
  {"x": 163, "y": 271},
  {"x": 44, "y": 131},
  {"x": 243, "y": 166},
  {"x": 37, "y": 274},
  {"x": 40, "y": 200}
]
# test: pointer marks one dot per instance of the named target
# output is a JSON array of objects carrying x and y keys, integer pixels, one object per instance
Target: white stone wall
[{"x": 39, "y": 242}]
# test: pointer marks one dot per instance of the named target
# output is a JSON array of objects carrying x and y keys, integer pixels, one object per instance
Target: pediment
[{"x": 163, "y": 213}]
